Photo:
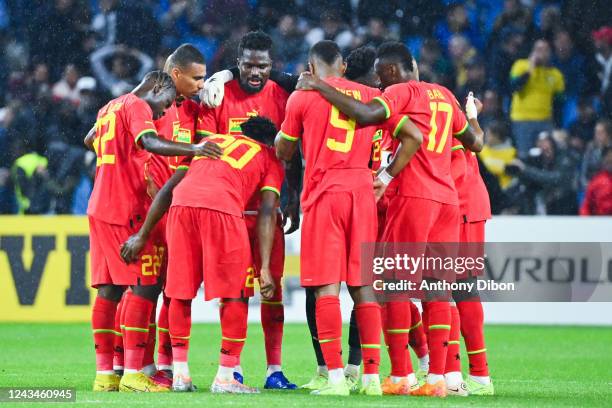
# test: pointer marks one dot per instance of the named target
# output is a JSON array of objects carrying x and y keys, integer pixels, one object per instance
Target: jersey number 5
[
  {"x": 435, "y": 108},
  {"x": 343, "y": 124}
]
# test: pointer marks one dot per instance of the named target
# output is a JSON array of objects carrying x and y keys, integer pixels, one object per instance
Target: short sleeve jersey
[
  {"x": 226, "y": 184},
  {"x": 119, "y": 191},
  {"x": 437, "y": 114},
  {"x": 474, "y": 202},
  {"x": 337, "y": 150}
]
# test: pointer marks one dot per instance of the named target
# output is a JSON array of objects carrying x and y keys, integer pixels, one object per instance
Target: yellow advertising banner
[{"x": 44, "y": 269}]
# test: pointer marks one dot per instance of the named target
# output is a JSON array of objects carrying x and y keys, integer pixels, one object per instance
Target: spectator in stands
[
  {"x": 547, "y": 179},
  {"x": 66, "y": 88},
  {"x": 582, "y": 128},
  {"x": 332, "y": 27},
  {"x": 591, "y": 160},
  {"x": 460, "y": 52},
  {"x": 571, "y": 63},
  {"x": 289, "y": 45},
  {"x": 503, "y": 56},
  {"x": 29, "y": 177},
  {"x": 127, "y": 67},
  {"x": 475, "y": 79},
  {"x": 317, "y": 11},
  {"x": 550, "y": 21},
  {"x": 62, "y": 175},
  {"x": 434, "y": 66},
  {"x": 515, "y": 17},
  {"x": 375, "y": 34},
  {"x": 457, "y": 23},
  {"x": 498, "y": 152},
  {"x": 493, "y": 111},
  {"x": 537, "y": 87},
  {"x": 87, "y": 111},
  {"x": 270, "y": 12},
  {"x": 598, "y": 197},
  {"x": 603, "y": 44}
]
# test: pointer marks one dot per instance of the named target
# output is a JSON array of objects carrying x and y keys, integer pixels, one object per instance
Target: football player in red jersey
[
  {"x": 252, "y": 93},
  {"x": 209, "y": 205},
  {"x": 124, "y": 131},
  {"x": 475, "y": 209},
  {"x": 339, "y": 212},
  {"x": 424, "y": 205}
]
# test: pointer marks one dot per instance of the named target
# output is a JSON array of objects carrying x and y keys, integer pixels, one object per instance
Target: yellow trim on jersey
[
  {"x": 138, "y": 136},
  {"x": 183, "y": 167},
  {"x": 204, "y": 132},
  {"x": 288, "y": 137},
  {"x": 462, "y": 131},
  {"x": 268, "y": 188},
  {"x": 384, "y": 104},
  {"x": 457, "y": 147},
  {"x": 399, "y": 125}
]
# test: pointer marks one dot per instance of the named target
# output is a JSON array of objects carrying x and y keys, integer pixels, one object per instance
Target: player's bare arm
[
  {"x": 89, "y": 138},
  {"x": 130, "y": 250},
  {"x": 411, "y": 139},
  {"x": 473, "y": 137},
  {"x": 266, "y": 222},
  {"x": 154, "y": 144},
  {"x": 285, "y": 149},
  {"x": 365, "y": 114},
  {"x": 291, "y": 212}
]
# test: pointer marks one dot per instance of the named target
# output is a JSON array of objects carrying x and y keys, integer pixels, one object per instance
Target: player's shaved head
[
  {"x": 325, "y": 59},
  {"x": 394, "y": 63},
  {"x": 261, "y": 129},
  {"x": 183, "y": 57},
  {"x": 360, "y": 67}
]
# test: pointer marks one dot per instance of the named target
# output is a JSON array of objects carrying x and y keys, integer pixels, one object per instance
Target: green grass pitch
[{"x": 533, "y": 366}]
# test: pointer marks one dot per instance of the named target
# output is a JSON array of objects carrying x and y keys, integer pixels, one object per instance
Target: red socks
[
  {"x": 417, "y": 338},
  {"x": 472, "y": 329},
  {"x": 272, "y": 322},
  {"x": 103, "y": 324},
  {"x": 164, "y": 347},
  {"x": 179, "y": 319},
  {"x": 329, "y": 327},
  {"x": 397, "y": 329},
  {"x": 136, "y": 330},
  {"x": 118, "y": 345},
  {"x": 149, "y": 355},
  {"x": 369, "y": 325},
  {"x": 234, "y": 316},
  {"x": 453, "y": 363},
  {"x": 439, "y": 325}
]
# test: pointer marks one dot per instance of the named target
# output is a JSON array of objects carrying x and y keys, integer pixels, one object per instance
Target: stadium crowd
[{"x": 542, "y": 68}]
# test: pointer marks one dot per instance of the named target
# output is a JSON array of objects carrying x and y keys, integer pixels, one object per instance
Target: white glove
[
  {"x": 214, "y": 88},
  {"x": 470, "y": 107}
]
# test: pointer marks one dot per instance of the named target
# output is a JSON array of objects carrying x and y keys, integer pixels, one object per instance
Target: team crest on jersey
[
  {"x": 234, "y": 123},
  {"x": 180, "y": 134}
]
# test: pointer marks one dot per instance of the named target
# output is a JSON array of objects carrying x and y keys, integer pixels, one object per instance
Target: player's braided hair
[
  {"x": 260, "y": 128},
  {"x": 255, "y": 40},
  {"x": 159, "y": 81},
  {"x": 395, "y": 51},
  {"x": 326, "y": 50},
  {"x": 359, "y": 62}
]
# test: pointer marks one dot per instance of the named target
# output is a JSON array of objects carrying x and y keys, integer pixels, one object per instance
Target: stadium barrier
[{"x": 44, "y": 271}]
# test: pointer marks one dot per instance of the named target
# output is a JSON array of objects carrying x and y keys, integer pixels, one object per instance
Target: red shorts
[
  {"x": 332, "y": 233},
  {"x": 277, "y": 257},
  {"x": 474, "y": 234},
  {"x": 108, "y": 268},
  {"x": 411, "y": 219},
  {"x": 211, "y": 247}
]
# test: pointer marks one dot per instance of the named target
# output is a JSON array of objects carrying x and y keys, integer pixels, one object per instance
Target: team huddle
[{"x": 188, "y": 194}]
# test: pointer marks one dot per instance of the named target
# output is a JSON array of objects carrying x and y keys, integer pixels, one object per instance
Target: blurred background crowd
[{"x": 542, "y": 68}]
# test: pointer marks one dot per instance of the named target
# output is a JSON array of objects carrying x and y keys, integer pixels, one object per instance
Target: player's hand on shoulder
[
  {"x": 130, "y": 250},
  {"x": 307, "y": 82},
  {"x": 266, "y": 283},
  {"x": 208, "y": 149},
  {"x": 214, "y": 88}
]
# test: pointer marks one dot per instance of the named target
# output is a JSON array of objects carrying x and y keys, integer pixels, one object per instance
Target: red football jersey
[
  {"x": 436, "y": 112},
  {"x": 119, "y": 187},
  {"x": 178, "y": 125},
  {"x": 226, "y": 184},
  {"x": 474, "y": 203},
  {"x": 330, "y": 141},
  {"x": 238, "y": 106}
]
